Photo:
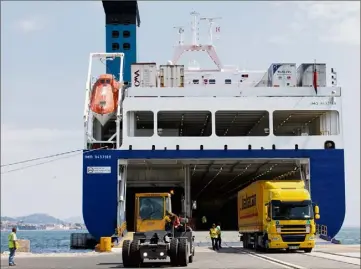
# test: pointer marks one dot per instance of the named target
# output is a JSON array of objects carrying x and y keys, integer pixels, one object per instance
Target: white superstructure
[{"x": 171, "y": 106}]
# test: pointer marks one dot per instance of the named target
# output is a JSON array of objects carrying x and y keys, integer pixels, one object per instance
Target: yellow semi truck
[{"x": 277, "y": 214}]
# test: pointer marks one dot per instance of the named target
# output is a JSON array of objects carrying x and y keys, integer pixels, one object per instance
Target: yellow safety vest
[
  {"x": 213, "y": 232},
  {"x": 167, "y": 219},
  {"x": 11, "y": 238}
]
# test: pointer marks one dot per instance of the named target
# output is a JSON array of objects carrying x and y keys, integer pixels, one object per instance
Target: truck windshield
[
  {"x": 292, "y": 210},
  {"x": 151, "y": 208}
]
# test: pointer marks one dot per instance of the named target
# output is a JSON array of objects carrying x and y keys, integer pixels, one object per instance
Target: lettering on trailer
[
  {"x": 248, "y": 202},
  {"x": 136, "y": 81},
  {"x": 323, "y": 103}
]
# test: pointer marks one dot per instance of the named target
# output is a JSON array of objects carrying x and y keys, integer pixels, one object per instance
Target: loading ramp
[{"x": 213, "y": 184}]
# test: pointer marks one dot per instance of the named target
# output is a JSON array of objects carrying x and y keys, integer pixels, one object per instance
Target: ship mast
[
  {"x": 211, "y": 23},
  {"x": 195, "y": 24},
  {"x": 194, "y": 45},
  {"x": 181, "y": 34}
]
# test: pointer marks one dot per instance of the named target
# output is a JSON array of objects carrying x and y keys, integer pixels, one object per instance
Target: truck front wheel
[
  {"x": 191, "y": 256},
  {"x": 307, "y": 250},
  {"x": 126, "y": 253},
  {"x": 183, "y": 253},
  {"x": 173, "y": 252},
  {"x": 135, "y": 258}
]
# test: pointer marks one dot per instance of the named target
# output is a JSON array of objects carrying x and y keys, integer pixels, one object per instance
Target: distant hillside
[
  {"x": 7, "y": 219},
  {"x": 74, "y": 220},
  {"x": 35, "y": 219}
]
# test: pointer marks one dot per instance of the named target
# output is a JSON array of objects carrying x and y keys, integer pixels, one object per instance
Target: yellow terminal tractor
[
  {"x": 155, "y": 237},
  {"x": 277, "y": 214}
]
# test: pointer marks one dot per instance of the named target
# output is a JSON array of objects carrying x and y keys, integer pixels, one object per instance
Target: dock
[{"x": 232, "y": 255}]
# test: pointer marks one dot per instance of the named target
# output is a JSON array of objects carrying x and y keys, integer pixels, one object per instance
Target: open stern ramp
[{"x": 206, "y": 175}]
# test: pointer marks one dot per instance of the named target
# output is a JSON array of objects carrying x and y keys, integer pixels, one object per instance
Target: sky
[{"x": 44, "y": 60}]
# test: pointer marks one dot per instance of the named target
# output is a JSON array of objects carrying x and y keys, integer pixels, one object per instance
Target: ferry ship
[{"x": 204, "y": 133}]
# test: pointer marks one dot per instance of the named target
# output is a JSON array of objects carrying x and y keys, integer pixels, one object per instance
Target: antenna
[
  {"x": 180, "y": 32},
  {"x": 195, "y": 38},
  {"x": 211, "y": 22}
]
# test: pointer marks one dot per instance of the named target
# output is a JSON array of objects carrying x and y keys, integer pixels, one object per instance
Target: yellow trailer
[{"x": 277, "y": 214}]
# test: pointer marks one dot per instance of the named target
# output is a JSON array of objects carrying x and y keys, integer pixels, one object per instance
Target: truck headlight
[
  {"x": 311, "y": 238},
  {"x": 275, "y": 238},
  {"x": 308, "y": 228},
  {"x": 145, "y": 254},
  {"x": 161, "y": 254},
  {"x": 278, "y": 229}
]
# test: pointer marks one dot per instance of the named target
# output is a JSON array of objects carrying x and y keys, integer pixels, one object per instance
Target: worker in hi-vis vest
[
  {"x": 13, "y": 245},
  {"x": 204, "y": 222},
  {"x": 219, "y": 241},
  {"x": 213, "y": 232}
]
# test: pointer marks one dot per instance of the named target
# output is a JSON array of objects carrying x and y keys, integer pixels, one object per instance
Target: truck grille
[
  {"x": 293, "y": 237},
  {"x": 293, "y": 228}
]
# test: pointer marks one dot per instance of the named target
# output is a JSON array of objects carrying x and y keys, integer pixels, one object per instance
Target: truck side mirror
[
  {"x": 317, "y": 216},
  {"x": 316, "y": 209}
]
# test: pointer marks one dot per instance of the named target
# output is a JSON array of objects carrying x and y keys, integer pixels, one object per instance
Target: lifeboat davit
[{"x": 104, "y": 98}]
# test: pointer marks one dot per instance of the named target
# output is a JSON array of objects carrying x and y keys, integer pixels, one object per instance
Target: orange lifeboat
[{"x": 104, "y": 98}]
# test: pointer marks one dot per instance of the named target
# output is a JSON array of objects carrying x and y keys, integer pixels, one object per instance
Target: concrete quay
[
  {"x": 232, "y": 255},
  {"x": 228, "y": 257}
]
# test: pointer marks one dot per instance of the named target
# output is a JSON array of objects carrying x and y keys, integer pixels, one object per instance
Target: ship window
[
  {"x": 126, "y": 34},
  {"x": 115, "y": 34},
  {"x": 140, "y": 123},
  {"x": 306, "y": 122},
  {"x": 115, "y": 46},
  {"x": 212, "y": 81},
  {"x": 184, "y": 123},
  {"x": 242, "y": 123},
  {"x": 126, "y": 46},
  {"x": 195, "y": 81},
  {"x": 228, "y": 81}
]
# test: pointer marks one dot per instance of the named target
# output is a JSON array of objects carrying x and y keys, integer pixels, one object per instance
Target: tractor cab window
[
  {"x": 151, "y": 208},
  {"x": 168, "y": 204}
]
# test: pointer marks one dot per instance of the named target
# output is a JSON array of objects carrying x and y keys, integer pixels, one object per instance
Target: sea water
[
  {"x": 44, "y": 241},
  {"x": 59, "y": 241}
]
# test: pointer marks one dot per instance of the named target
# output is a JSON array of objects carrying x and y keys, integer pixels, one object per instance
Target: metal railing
[{"x": 321, "y": 229}]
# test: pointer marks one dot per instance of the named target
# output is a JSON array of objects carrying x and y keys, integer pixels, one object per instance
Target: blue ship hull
[{"x": 100, "y": 190}]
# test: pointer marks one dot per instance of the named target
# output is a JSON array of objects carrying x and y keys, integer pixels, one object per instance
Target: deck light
[{"x": 329, "y": 145}]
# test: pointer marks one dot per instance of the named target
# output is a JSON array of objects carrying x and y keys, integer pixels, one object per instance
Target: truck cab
[
  {"x": 277, "y": 214},
  {"x": 291, "y": 224},
  {"x": 150, "y": 210}
]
